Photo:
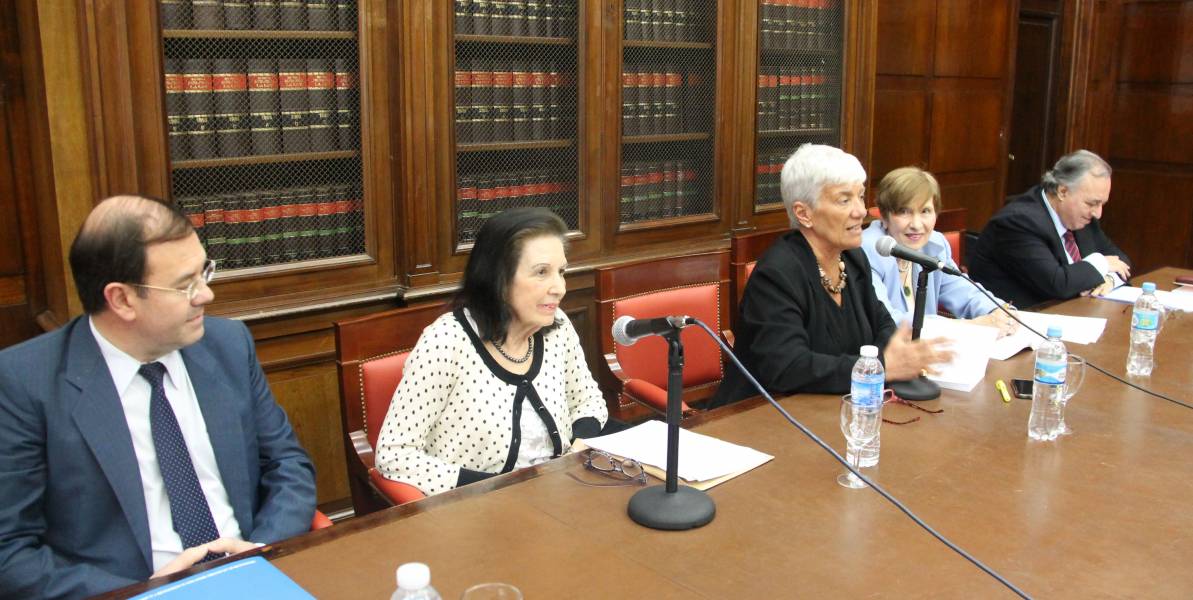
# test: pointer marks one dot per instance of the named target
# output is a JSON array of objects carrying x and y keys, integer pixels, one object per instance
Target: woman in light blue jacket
[{"x": 908, "y": 200}]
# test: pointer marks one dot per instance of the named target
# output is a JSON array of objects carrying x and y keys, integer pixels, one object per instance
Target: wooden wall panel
[
  {"x": 966, "y": 123},
  {"x": 1150, "y": 216},
  {"x": 905, "y": 37},
  {"x": 902, "y": 116},
  {"x": 1165, "y": 114},
  {"x": 972, "y": 38},
  {"x": 1157, "y": 38},
  {"x": 311, "y": 398},
  {"x": 973, "y": 193}
]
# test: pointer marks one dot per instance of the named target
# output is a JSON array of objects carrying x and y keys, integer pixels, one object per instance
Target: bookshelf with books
[
  {"x": 799, "y": 88},
  {"x": 668, "y": 108},
  {"x": 264, "y": 130},
  {"x": 515, "y": 105}
]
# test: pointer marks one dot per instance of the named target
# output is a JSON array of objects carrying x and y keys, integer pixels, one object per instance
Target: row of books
[
  {"x": 798, "y": 24},
  {"x": 231, "y": 107},
  {"x": 265, "y": 15},
  {"x": 530, "y": 18},
  {"x": 266, "y": 227},
  {"x": 793, "y": 99},
  {"x": 482, "y": 195},
  {"x": 659, "y": 102},
  {"x": 767, "y": 169},
  {"x": 657, "y": 190},
  {"x": 668, "y": 20},
  {"x": 499, "y": 101}
]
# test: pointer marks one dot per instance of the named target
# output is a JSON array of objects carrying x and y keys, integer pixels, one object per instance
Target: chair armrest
[
  {"x": 728, "y": 336},
  {"x": 395, "y": 492},
  {"x": 320, "y": 521},
  {"x": 651, "y": 395}
]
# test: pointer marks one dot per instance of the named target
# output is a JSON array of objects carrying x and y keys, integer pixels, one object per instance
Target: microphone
[
  {"x": 627, "y": 329},
  {"x": 887, "y": 246}
]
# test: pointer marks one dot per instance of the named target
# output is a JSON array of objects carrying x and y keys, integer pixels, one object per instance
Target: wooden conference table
[{"x": 1103, "y": 512}]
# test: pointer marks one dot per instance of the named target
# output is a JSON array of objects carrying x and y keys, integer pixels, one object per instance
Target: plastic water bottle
[
  {"x": 866, "y": 384},
  {"x": 1145, "y": 324},
  {"x": 414, "y": 583},
  {"x": 1047, "y": 395}
]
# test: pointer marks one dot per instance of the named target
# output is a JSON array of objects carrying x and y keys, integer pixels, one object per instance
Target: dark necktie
[
  {"x": 188, "y": 506},
  {"x": 1071, "y": 246}
]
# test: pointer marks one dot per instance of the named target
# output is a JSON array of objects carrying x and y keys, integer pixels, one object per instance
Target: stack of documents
[
  {"x": 971, "y": 351},
  {"x": 702, "y": 458}
]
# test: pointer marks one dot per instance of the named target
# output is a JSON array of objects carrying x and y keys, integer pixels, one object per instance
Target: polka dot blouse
[{"x": 457, "y": 408}]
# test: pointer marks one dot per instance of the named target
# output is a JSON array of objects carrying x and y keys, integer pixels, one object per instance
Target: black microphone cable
[
  {"x": 1011, "y": 314},
  {"x": 874, "y": 486}
]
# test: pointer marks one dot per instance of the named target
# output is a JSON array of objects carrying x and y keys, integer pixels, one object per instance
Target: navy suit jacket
[
  {"x": 72, "y": 510},
  {"x": 1020, "y": 258}
]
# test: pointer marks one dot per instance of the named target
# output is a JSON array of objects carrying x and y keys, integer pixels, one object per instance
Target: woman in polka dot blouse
[{"x": 500, "y": 382}]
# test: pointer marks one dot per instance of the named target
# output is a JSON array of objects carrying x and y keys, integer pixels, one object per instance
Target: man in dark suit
[
  {"x": 1047, "y": 244},
  {"x": 141, "y": 437}
]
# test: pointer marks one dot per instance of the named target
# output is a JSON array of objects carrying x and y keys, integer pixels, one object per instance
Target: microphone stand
[
  {"x": 920, "y": 388},
  {"x": 671, "y": 506}
]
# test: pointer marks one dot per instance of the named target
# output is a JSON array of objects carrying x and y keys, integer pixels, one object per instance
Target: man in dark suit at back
[
  {"x": 140, "y": 438},
  {"x": 1047, "y": 244}
]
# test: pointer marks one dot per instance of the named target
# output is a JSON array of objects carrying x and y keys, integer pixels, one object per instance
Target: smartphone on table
[{"x": 1021, "y": 388}]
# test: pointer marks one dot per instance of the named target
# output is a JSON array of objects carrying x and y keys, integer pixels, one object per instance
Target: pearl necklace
[{"x": 517, "y": 361}]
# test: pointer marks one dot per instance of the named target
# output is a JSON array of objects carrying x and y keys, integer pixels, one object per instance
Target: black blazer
[
  {"x": 785, "y": 334},
  {"x": 1020, "y": 258}
]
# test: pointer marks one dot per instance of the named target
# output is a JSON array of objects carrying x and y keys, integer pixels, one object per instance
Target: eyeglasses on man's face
[
  {"x": 191, "y": 290},
  {"x": 628, "y": 471}
]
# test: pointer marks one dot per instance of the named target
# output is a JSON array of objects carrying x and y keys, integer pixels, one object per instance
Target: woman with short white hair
[{"x": 810, "y": 305}]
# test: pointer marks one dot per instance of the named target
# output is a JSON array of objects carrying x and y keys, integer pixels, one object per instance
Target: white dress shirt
[
  {"x": 1097, "y": 259},
  {"x": 134, "y": 393}
]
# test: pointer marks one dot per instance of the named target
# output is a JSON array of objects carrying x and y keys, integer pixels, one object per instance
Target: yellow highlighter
[{"x": 1001, "y": 386}]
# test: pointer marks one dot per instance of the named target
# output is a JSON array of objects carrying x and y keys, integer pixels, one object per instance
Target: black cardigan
[{"x": 789, "y": 333}]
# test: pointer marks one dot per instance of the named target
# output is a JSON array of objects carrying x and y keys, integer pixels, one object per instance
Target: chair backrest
[
  {"x": 744, "y": 252},
  {"x": 695, "y": 285},
  {"x": 371, "y": 353},
  {"x": 951, "y": 223}
]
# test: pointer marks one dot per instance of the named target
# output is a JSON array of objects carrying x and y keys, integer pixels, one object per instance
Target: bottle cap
[
  {"x": 414, "y": 576},
  {"x": 1149, "y": 287},
  {"x": 1054, "y": 331},
  {"x": 869, "y": 351}
]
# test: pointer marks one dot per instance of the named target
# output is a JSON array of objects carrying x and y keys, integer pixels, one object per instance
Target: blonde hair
[{"x": 903, "y": 186}]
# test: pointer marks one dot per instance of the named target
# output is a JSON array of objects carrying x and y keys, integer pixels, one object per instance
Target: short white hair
[{"x": 812, "y": 167}]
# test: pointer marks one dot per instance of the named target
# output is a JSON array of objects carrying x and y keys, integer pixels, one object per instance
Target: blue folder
[{"x": 249, "y": 578}]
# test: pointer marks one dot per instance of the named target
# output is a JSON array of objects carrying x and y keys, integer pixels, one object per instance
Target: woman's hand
[
  {"x": 999, "y": 320},
  {"x": 907, "y": 359}
]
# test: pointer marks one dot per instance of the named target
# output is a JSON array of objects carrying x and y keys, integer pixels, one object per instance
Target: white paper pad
[
  {"x": 1178, "y": 300},
  {"x": 700, "y": 457},
  {"x": 1076, "y": 330},
  {"x": 971, "y": 345}
]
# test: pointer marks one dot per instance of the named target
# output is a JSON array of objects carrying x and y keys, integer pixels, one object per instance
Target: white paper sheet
[
  {"x": 700, "y": 457},
  {"x": 971, "y": 351},
  {"x": 1178, "y": 300},
  {"x": 1075, "y": 330}
]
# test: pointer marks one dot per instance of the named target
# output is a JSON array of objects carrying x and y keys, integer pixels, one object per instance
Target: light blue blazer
[{"x": 951, "y": 293}]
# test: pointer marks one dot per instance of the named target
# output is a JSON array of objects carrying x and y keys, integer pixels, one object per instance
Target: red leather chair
[
  {"x": 371, "y": 352},
  {"x": 744, "y": 252},
  {"x": 696, "y": 286},
  {"x": 951, "y": 223}
]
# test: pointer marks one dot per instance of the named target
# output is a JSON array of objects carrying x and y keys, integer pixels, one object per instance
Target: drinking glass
[
  {"x": 860, "y": 423},
  {"x": 492, "y": 591},
  {"x": 1074, "y": 375}
]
